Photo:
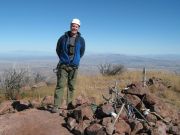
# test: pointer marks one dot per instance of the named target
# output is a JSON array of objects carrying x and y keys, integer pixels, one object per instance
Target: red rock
[
  {"x": 80, "y": 128},
  {"x": 133, "y": 99},
  {"x": 71, "y": 123},
  {"x": 109, "y": 128},
  {"x": 107, "y": 109},
  {"x": 160, "y": 128},
  {"x": 138, "y": 126},
  {"x": 83, "y": 112},
  {"x": 122, "y": 127},
  {"x": 48, "y": 100},
  {"x": 151, "y": 118},
  {"x": 93, "y": 129},
  {"x": 5, "y": 107},
  {"x": 106, "y": 120}
]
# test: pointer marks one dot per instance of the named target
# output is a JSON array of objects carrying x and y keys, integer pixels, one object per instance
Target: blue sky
[{"x": 108, "y": 26}]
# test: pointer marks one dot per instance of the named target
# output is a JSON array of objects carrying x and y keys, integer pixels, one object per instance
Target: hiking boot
[
  {"x": 70, "y": 106},
  {"x": 55, "y": 110}
]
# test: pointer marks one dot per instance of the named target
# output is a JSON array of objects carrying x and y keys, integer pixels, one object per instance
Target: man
[{"x": 70, "y": 48}]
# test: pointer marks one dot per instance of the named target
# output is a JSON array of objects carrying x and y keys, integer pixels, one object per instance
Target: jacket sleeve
[
  {"x": 59, "y": 47},
  {"x": 82, "y": 50}
]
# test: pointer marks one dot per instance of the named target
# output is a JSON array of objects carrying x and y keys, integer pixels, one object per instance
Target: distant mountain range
[
  {"x": 166, "y": 62},
  {"x": 90, "y": 62}
]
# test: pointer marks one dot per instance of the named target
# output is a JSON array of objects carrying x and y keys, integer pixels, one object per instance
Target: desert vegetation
[
  {"x": 93, "y": 85},
  {"x": 14, "y": 82},
  {"x": 110, "y": 69}
]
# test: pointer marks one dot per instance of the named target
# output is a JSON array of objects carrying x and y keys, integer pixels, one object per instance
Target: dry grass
[
  {"x": 38, "y": 93},
  {"x": 2, "y": 97},
  {"x": 93, "y": 86},
  {"x": 96, "y": 85}
]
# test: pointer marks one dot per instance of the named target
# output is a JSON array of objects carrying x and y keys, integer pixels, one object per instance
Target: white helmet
[{"x": 76, "y": 21}]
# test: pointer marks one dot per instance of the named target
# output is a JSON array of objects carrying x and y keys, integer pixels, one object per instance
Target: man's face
[{"x": 74, "y": 28}]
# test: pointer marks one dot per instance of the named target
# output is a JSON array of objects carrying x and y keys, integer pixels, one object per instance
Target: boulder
[
  {"x": 83, "y": 112},
  {"x": 93, "y": 129},
  {"x": 47, "y": 100},
  {"x": 5, "y": 107},
  {"x": 122, "y": 127},
  {"x": 160, "y": 128}
]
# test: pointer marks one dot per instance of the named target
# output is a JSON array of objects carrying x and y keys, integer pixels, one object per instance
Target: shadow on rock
[{"x": 19, "y": 107}]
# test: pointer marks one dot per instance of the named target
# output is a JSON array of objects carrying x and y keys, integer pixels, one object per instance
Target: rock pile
[{"x": 86, "y": 118}]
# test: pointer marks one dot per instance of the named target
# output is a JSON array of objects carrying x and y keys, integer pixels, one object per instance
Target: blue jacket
[{"x": 62, "y": 50}]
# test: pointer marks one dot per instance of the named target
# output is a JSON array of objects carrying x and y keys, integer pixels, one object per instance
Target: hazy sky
[{"x": 108, "y": 26}]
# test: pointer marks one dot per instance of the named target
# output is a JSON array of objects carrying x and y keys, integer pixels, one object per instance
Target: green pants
[{"x": 69, "y": 75}]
